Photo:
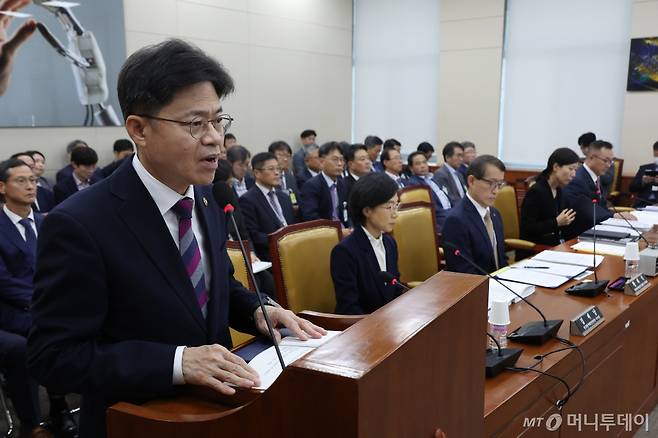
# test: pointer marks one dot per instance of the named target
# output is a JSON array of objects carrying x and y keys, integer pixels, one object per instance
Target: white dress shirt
[
  {"x": 591, "y": 173},
  {"x": 80, "y": 184},
  {"x": 378, "y": 248},
  {"x": 240, "y": 186},
  {"x": 14, "y": 218},
  {"x": 443, "y": 197},
  {"x": 165, "y": 198},
  {"x": 266, "y": 192}
]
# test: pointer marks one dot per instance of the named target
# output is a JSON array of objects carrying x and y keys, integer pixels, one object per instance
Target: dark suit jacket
[
  {"x": 443, "y": 178},
  {"x": 539, "y": 212},
  {"x": 578, "y": 195},
  {"x": 67, "y": 187},
  {"x": 114, "y": 165},
  {"x": 463, "y": 169},
  {"x": 316, "y": 200},
  {"x": 16, "y": 273},
  {"x": 113, "y": 299},
  {"x": 378, "y": 166},
  {"x": 67, "y": 171},
  {"x": 291, "y": 182},
  {"x": 355, "y": 272},
  {"x": 261, "y": 220},
  {"x": 440, "y": 213},
  {"x": 644, "y": 190},
  {"x": 302, "y": 177},
  {"x": 45, "y": 199},
  {"x": 465, "y": 229}
]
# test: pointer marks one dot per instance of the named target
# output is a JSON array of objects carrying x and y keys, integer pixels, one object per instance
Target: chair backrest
[
  {"x": 415, "y": 235},
  {"x": 300, "y": 263},
  {"x": 618, "y": 164},
  {"x": 506, "y": 204},
  {"x": 240, "y": 274},
  {"x": 417, "y": 193}
]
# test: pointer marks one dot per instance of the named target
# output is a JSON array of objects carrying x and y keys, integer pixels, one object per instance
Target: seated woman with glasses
[
  {"x": 543, "y": 215},
  {"x": 356, "y": 262}
]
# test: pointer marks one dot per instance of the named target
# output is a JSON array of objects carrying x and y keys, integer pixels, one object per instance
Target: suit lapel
[
  {"x": 284, "y": 201},
  {"x": 140, "y": 214},
  {"x": 476, "y": 220},
  {"x": 268, "y": 207},
  {"x": 369, "y": 255},
  {"x": 9, "y": 230}
]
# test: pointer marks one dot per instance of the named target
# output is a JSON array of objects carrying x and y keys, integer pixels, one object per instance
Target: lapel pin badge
[{"x": 205, "y": 201}]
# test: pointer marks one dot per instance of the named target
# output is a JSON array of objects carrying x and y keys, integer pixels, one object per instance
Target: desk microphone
[
  {"x": 536, "y": 332},
  {"x": 497, "y": 361},
  {"x": 596, "y": 287},
  {"x": 390, "y": 279},
  {"x": 228, "y": 209}
]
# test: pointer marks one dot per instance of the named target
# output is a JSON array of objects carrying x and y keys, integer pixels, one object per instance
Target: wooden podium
[{"x": 407, "y": 370}]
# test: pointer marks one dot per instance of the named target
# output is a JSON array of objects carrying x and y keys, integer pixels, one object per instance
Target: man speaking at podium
[{"x": 134, "y": 290}]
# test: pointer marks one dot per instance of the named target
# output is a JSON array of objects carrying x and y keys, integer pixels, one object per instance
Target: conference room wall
[
  {"x": 291, "y": 61},
  {"x": 470, "y": 73}
]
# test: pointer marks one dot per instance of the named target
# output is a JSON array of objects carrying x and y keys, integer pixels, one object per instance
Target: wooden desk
[{"x": 621, "y": 362}]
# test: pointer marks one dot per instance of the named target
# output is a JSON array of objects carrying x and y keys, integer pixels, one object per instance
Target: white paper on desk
[
  {"x": 267, "y": 365},
  {"x": 653, "y": 208},
  {"x": 641, "y": 225},
  {"x": 260, "y": 266},
  {"x": 569, "y": 258},
  {"x": 560, "y": 269},
  {"x": 15, "y": 14},
  {"x": 534, "y": 277},
  {"x": 615, "y": 229},
  {"x": 648, "y": 217},
  {"x": 601, "y": 248},
  {"x": 498, "y": 293}
]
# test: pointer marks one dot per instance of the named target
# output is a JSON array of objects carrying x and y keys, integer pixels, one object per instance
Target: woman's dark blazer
[{"x": 539, "y": 212}]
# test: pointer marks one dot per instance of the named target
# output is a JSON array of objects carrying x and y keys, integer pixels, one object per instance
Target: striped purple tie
[{"x": 189, "y": 250}]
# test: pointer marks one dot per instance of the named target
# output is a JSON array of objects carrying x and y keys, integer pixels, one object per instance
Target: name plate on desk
[
  {"x": 586, "y": 321},
  {"x": 636, "y": 285}
]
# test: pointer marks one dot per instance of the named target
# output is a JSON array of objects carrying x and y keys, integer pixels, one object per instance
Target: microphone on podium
[
  {"x": 389, "y": 279},
  {"x": 228, "y": 209},
  {"x": 536, "y": 332},
  {"x": 596, "y": 287},
  {"x": 497, "y": 361}
]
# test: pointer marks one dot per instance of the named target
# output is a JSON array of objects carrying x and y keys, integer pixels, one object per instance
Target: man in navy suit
[
  {"x": 84, "y": 161},
  {"x": 586, "y": 186},
  {"x": 358, "y": 165},
  {"x": 645, "y": 183},
  {"x": 392, "y": 163},
  {"x": 324, "y": 196},
  {"x": 374, "y": 147},
  {"x": 265, "y": 209},
  {"x": 417, "y": 163},
  {"x": 312, "y": 165},
  {"x": 134, "y": 290},
  {"x": 469, "y": 155},
  {"x": 283, "y": 153},
  {"x": 45, "y": 200},
  {"x": 448, "y": 175},
  {"x": 473, "y": 225},
  {"x": 19, "y": 227}
]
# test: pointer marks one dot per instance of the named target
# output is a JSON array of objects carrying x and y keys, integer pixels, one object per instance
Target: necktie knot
[
  {"x": 333, "y": 187},
  {"x": 183, "y": 208},
  {"x": 26, "y": 222}
]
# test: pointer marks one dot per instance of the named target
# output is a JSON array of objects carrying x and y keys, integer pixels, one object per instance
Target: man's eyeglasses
[
  {"x": 270, "y": 169},
  {"x": 199, "y": 126},
  {"x": 494, "y": 185},
  {"x": 23, "y": 182},
  {"x": 391, "y": 206},
  {"x": 337, "y": 160},
  {"x": 606, "y": 161}
]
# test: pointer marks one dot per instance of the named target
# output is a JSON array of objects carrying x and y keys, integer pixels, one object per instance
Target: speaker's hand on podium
[
  {"x": 280, "y": 317},
  {"x": 215, "y": 366}
]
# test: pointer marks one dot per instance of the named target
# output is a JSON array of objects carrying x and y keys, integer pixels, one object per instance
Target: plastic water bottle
[
  {"x": 499, "y": 323},
  {"x": 632, "y": 260}
]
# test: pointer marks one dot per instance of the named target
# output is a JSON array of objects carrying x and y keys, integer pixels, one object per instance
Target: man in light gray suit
[{"x": 448, "y": 176}]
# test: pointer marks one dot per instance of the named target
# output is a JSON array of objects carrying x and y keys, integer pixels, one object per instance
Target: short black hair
[
  {"x": 123, "y": 144},
  {"x": 371, "y": 141},
  {"x": 279, "y": 146},
  {"x": 655, "y": 146},
  {"x": 307, "y": 133},
  {"x": 260, "y": 158},
  {"x": 84, "y": 156},
  {"x": 467, "y": 144},
  {"x": 18, "y": 154},
  {"x": 586, "y": 139},
  {"x": 425, "y": 147},
  {"x": 330, "y": 146},
  {"x": 449, "y": 149},
  {"x": 386, "y": 155},
  {"x": 410, "y": 158},
  {"x": 223, "y": 172},
  {"x": 237, "y": 154},
  {"x": 151, "y": 77},
  {"x": 478, "y": 167},
  {"x": 597, "y": 145},
  {"x": 74, "y": 144},
  {"x": 352, "y": 150},
  {"x": 370, "y": 190},
  {"x": 7, "y": 165},
  {"x": 229, "y": 136},
  {"x": 33, "y": 153},
  {"x": 391, "y": 143},
  {"x": 561, "y": 157}
]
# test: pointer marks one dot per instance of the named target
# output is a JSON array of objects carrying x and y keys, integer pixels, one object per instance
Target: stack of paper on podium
[
  {"x": 641, "y": 224},
  {"x": 647, "y": 216},
  {"x": 267, "y": 364},
  {"x": 497, "y": 292},
  {"x": 568, "y": 258},
  {"x": 543, "y": 274},
  {"x": 651, "y": 208},
  {"x": 601, "y": 248},
  {"x": 601, "y": 227}
]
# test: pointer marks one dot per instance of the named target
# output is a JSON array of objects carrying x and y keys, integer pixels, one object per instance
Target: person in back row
[
  {"x": 645, "y": 183},
  {"x": 83, "y": 161},
  {"x": 417, "y": 163},
  {"x": 474, "y": 226},
  {"x": 356, "y": 262},
  {"x": 448, "y": 176}
]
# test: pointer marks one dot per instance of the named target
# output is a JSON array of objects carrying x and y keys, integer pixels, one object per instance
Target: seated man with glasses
[
  {"x": 265, "y": 209},
  {"x": 356, "y": 262},
  {"x": 586, "y": 186},
  {"x": 134, "y": 289},
  {"x": 325, "y": 196},
  {"x": 473, "y": 225},
  {"x": 283, "y": 154},
  {"x": 358, "y": 165}
]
